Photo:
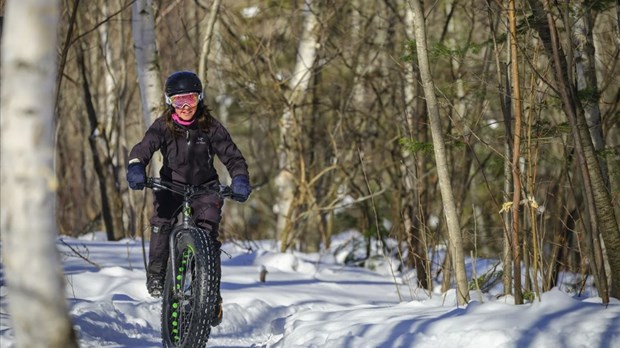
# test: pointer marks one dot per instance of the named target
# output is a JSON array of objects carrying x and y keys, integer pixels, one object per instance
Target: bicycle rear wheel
[{"x": 190, "y": 300}]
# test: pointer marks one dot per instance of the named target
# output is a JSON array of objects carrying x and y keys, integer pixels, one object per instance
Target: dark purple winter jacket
[{"x": 188, "y": 158}]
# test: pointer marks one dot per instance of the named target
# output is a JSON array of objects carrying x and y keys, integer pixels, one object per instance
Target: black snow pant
[{"x": 167, "y": 205}]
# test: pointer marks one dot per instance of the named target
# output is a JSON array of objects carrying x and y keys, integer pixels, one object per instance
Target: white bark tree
[
  {"x": 38, "y": 308},
  {"x": 298, "y": 84},
  {"x": 583, "y": 40},
  {"x": 447, "y": 196},
  {"x": 109, "y": 79},
  {"x": 206, "y": 44},
  {"x": 147, "y": 61},
  {"x": 417, "y": 239}
]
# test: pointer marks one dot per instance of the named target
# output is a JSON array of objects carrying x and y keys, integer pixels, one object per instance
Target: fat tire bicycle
[{"x": 190, "y": 299}]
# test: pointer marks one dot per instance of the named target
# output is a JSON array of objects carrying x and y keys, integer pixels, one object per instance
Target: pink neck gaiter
[{"x": 182, "y": 122}]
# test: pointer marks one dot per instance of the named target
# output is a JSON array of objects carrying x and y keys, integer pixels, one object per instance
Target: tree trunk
[
  {"x": 598, "y": 199},
  {"x": 454, "y": 230},
  {"x": 587, "y": 83},
  {"x": 36, "y": 289},
  {"x": 503, "y": 88},
  {"x": 206, "y": 45},
  {"x": 411, "y": 206},
  {"x": 110, "y": 78},
  {"x": 289, "y": 127},
  {"x": 65, "y": 50},
  {"x": 516, "y": 154},
  {"x": 111, "y": 202},
  {"x": 147, "y": 61}
]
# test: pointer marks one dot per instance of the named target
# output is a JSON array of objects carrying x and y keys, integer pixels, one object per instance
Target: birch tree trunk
[
  {"x": 586, "y": 79},
  {"x": 362, "y": 63},
  {"x": 587, "y": 85},
  {"x": 222, "y": 99},
  {"x": 447, "y": 196},
  {"x": 206, "y": 44},
  {"x": 412, "y": 207},
  {"x": 211, "y": 28},
  {"x": 109, "y": 77},
  {"x": 287, "y": 156},
  {"x": 147, "y": 60},
  {"x": 454, "y": 30},
  {"x": 598, "y": 199},
  {"x": 39, "y": 310}
]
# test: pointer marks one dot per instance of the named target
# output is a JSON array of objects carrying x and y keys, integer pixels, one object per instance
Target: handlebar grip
[
  {"x": 227, "y": 192},
  {"x": 153, "y": 183}
]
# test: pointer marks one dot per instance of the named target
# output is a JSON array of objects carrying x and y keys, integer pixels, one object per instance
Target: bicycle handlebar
[{"x": 190, "y": 190}]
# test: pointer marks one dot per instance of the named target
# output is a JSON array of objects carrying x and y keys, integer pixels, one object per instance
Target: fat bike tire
[{"x": 186, "y": 317}]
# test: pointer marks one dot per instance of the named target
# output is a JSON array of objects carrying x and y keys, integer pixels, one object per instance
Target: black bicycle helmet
[{"x": 183, "y": 82}]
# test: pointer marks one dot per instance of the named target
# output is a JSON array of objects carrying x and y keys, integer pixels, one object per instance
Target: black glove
[
  {"x": 241, "y": 188},
  {"x": 136, "y": 176}
]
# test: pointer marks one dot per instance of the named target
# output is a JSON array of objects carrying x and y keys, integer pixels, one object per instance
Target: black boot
[
  {"x": 155, "y": 284},
  {"x": 158, "y": 259}
]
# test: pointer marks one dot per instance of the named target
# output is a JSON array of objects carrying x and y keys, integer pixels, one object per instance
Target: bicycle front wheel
[{"x": 190, "y": 300}]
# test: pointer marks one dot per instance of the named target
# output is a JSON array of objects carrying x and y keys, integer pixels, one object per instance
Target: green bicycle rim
[{"x": 177, "y": 317}]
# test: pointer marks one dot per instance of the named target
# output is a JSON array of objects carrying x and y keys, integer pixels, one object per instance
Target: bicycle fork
[{"x": 187, "y": 213}]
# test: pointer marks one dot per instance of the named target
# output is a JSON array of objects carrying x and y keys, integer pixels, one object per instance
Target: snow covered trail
[{"x": 314, "y": 301}]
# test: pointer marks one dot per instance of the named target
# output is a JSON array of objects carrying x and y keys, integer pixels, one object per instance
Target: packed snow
[{"x": 318, "y": 300}]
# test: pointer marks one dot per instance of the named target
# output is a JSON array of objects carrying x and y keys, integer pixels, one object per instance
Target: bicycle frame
[{"x": 187, "y": 191}]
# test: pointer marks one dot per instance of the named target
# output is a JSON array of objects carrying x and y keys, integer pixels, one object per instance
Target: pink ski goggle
[{"x": 178, "y": 101}]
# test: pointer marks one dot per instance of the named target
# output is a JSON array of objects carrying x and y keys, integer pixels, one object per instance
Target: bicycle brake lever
[
  {"x": 153, "y": 183},
  {"x": 225, "y": 191}
]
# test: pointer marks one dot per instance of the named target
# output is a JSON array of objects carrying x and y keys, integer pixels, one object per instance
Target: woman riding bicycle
[{"x": 188, "y": 137}]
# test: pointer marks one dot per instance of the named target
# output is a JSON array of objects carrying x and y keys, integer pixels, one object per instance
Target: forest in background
[
  {"x": 480, "y": 128},
  {"x": 353, "y": 148}
]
